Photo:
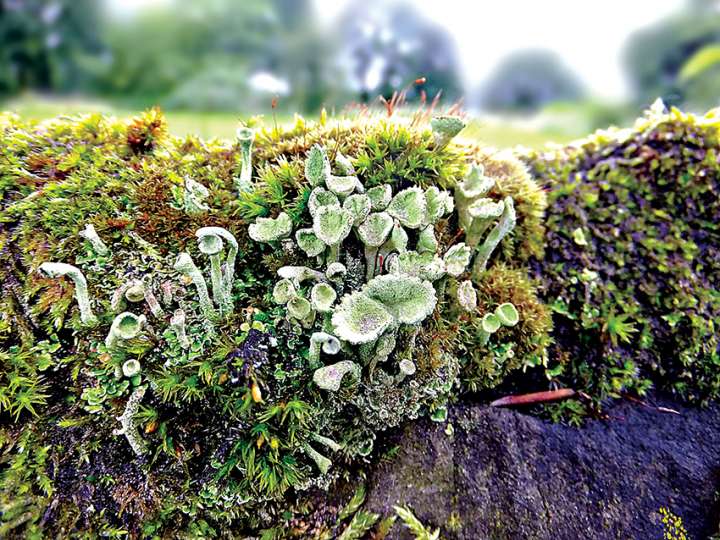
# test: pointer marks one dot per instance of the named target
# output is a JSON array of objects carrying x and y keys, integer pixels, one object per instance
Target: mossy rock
[
  {"x": 632, "y": 260},
  {"x": 235, "y": 434}
]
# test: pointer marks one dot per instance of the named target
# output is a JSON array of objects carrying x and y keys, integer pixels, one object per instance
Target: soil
[{"x": 507, "y": 475}]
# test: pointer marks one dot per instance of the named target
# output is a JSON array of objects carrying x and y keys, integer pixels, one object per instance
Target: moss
[
  {"x": 512, "y": 347},
  {"x": 632, "y": 262},
  {"x": 230, "y": 409}
]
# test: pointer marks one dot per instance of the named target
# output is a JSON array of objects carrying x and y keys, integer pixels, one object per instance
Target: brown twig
[
  {"x": 644, "y": 404},
  {"x": 535, "y": 397}
]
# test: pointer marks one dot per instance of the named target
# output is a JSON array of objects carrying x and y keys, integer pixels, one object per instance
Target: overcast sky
[{"x": 589, "y": 35}]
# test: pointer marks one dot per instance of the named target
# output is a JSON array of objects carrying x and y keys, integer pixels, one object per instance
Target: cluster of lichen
[
  {"x": 632, "y": 262},
  {"x": 190, "y": 311}
]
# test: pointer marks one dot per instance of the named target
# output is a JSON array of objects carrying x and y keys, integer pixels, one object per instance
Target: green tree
[
  {"x": 385, "y": 47},
  {"x": 527, "y": 80},
  {"x": 204, "y": 54},
  {"x": 655, "y": 56},
  {"x": 44, "y": 42}
]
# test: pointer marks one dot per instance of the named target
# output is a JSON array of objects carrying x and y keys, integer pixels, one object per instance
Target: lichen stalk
[
  {"x": 129, "y": 425},
  {"x": 54, "y": 270},
  {"x": 178, "y": 324},
  {"x": 245, "y": 137},
  {"x": 502, "y": 228},
  {"x": 185, "y": 265},
  {"x": 91, "y": 235}
]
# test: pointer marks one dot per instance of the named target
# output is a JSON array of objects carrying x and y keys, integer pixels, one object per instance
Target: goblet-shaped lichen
[
  {"x": 482, "y": 211},
  {"x": 332, "y": 225},
  {"x": 330, "y": 377},
  {"x": 426, "y": 265},
  {"x": 444, "y": 128},
  {"x": 271, "y": 229},
  {"x": 467, "y": 296},
  {"x": 194, "y": 197},
  {"x": 308, "y": 241},
  {"x": 409, "y": 207},
  {"x": 385, "y": 301},
  {"x": 359, "y": 207},
  {"x": 320, "y": 197},
  {"x": 508, "y": 314},
  {"x": 322, "y": 297},
  {"x": 380, "y": 197},
  {"x": 342, "y": 186},
  {"x": 212, "y": 246},
  {"x": 335, "y": 271},
  {"x": 373, "y": 232},
  {"x": 177, "y": 322},
  {"x": 505, "y": 224},
  {"x": 124, "y": 327},
  {"x": 130, "y": 368},
  {"x": 298, "y": 274},
  {"x": 284, "y": 291},
  {"x": 210, "y": 242},
  {"x": 408, "y": 299},
  {"x": 328, "y": 343},
  {"x": 317, "y": 166},
  {"x": 505, "y": 315},
  {"x": 457, "y": 259},
  {"x": 360, "y": 319},
  {"x": 299, "y": 308},
  {"x": 134, "y": 290},
  {"x": 407, "y": 368}
]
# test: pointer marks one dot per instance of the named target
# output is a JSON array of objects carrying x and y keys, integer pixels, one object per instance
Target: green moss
[
  {"x": 632, "y": 262},
  {"x": 227, "y": 411}
]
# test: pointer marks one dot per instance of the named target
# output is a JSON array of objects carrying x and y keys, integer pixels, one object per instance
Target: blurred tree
[
  {"x": 43, "y": 42},
  {"x": 655, "y": 56},
  {"x": 301, "y": 55},
  {"x": 527, "y": 80},
  {"x": 386, "y": 46},
  {"x": 213, "y": 54},
  {"x": 159, "y": 48}
]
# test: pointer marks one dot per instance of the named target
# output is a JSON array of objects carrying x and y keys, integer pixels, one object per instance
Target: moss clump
[
  {"x": 632, "y": 260},
  {"x": 522, "y": 346},
  {"x": 227, "y": 391}
]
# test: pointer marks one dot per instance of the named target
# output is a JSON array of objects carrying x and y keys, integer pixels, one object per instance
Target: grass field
[{"x": 494, "y": 132}]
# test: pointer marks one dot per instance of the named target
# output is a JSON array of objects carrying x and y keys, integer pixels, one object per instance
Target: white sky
[{"x": 588, "y": 34}]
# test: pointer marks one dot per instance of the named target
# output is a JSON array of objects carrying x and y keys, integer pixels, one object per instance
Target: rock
[{"x": 505, "y": 474}]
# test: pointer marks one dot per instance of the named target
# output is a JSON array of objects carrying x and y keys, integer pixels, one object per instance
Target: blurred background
[{"x": 528, "y": 72}]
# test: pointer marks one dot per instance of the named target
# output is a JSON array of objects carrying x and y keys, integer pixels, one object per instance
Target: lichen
[
  {"x": 330, "y": 311},
  {"x": 55, "y": 270}
]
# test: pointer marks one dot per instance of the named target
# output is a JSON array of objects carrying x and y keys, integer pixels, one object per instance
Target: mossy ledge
[
  {"x": 202, "y": 338},
  {"x": 632, "y": 259},
  {"x": 255, "y": 313}
]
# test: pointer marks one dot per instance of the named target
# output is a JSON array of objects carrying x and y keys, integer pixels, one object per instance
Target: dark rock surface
[{"x": 508, "y": 475}]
